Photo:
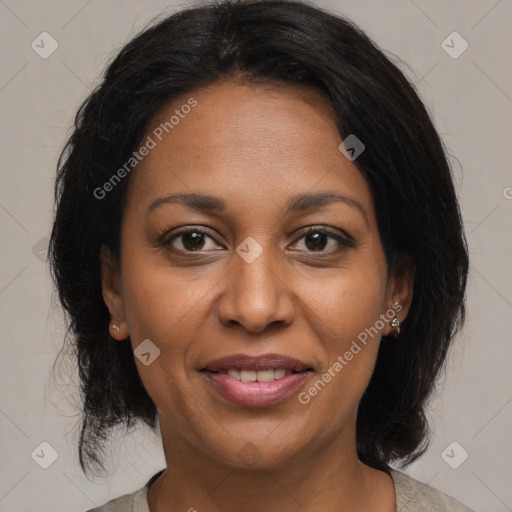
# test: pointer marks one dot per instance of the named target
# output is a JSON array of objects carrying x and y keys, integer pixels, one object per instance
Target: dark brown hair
[{"x": 405, "y": 164}]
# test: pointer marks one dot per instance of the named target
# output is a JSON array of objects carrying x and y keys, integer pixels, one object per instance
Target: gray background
[{"x": 470, "y": 98}]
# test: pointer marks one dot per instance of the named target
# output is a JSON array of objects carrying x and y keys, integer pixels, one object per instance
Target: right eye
[{"x": 188, "y": 240}]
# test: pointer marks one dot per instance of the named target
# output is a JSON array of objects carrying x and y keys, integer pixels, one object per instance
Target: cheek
[
  {"x": 159, "y": 307},
  {"x": 160, "y": 299},
  {"x": 348, "y": 303},
  {"x": 346, "y": 313},
  {"x": 350, "y": 353}
]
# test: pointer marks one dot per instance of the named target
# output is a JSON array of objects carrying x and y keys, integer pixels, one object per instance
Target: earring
[
  {"x": 396, "y": 324},
  {"x": 115, "y": 326}
]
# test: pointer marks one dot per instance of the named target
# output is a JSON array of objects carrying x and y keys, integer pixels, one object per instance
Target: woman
[{"x": 259, "y": 246}]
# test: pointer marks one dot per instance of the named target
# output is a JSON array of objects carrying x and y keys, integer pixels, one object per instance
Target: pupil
[
  {"x": 192, "y": 240},
  {"x": 318, "y": 239}
]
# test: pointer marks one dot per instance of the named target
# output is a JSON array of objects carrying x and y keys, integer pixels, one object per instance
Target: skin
[{"x": 254, "y": 146}]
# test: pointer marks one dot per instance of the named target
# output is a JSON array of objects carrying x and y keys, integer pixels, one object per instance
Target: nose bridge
[{"x": 256, "y": 295}]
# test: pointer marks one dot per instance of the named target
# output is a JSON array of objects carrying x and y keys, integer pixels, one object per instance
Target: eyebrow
[{"x": 297, "y": 203}]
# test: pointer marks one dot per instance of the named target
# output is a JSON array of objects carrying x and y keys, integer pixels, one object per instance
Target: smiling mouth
[
  {"x": 247, "y": 375},
  {"x": 255, "y": 380}
]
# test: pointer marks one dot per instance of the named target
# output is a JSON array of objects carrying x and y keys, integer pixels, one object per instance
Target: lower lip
[{"x": 257, "y": 393}]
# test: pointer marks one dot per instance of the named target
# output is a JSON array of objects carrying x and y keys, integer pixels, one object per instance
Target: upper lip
[{"x": 256, "y": 363}]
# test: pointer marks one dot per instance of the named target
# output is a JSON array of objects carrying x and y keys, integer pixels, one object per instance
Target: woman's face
[{"x": 249, "y": 279}]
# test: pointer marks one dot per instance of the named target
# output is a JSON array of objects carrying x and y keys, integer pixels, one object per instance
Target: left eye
[{"x": 317, "y": 239}]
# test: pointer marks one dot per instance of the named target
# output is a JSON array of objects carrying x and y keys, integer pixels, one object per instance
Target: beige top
[{"x": 411, "y": 496}]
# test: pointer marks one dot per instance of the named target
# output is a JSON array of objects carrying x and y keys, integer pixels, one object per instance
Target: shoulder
[
  {"x": 134, "y": 502},
  {"x": 415, "y": 496}
]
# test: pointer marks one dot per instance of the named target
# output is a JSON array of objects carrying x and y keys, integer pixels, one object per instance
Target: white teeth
[
  {"x": 265, "y": 376},
  {"x": 279, "y": 373},
  {"x": 248, "y": 376},
  {"x": 234, "y": 373},
  {"x": 253, "y": 376}
]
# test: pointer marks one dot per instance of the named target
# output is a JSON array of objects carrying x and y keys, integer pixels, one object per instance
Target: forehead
[
  {"x": 247, "y": 143},
  {"x": 230, "y": 117}
]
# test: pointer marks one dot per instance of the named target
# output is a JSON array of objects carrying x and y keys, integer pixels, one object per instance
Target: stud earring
[
  {"x": 116, "y": 327},
  {"x": 396, "y": 324}
]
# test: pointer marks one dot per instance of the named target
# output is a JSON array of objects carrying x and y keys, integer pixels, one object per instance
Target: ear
[
  {"x": 400, "y": 288},
  {"x": 112, "y": 295}
]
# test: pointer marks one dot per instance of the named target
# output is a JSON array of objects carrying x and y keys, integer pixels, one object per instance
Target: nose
[{"x": 255, "y": 294}]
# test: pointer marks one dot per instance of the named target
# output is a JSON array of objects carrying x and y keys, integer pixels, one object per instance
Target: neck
[{"x": 320, "y": 478}]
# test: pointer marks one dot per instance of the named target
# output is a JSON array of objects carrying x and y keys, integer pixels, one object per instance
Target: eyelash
[{"x": 344, "y": 241}]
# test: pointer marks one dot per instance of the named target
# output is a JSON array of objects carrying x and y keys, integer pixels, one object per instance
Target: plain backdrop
[{"x": 470, "y": 98}]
